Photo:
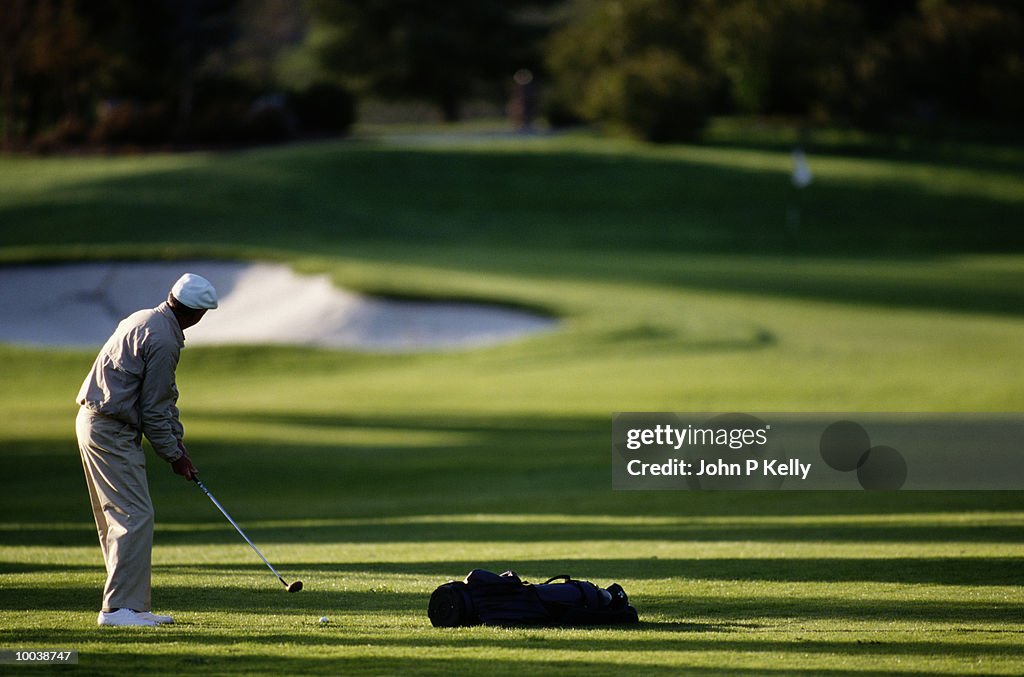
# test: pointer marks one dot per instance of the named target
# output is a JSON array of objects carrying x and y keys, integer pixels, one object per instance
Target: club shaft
[{"x": 239, "y": 529}]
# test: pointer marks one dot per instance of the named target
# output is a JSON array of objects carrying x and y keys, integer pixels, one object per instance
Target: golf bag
[{"x": 504, "y": 599}]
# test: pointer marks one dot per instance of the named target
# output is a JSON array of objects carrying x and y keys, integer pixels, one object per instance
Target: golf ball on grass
[{"x": 324, "y": 620}]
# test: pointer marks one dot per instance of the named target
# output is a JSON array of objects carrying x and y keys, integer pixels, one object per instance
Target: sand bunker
[{"x": 78, "y": 305}]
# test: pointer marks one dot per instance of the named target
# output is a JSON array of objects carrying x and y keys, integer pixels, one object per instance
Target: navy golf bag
[{"x": 504, "y": 599}]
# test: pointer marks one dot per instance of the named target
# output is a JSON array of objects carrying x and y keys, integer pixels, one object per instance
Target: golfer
[{"x": 130, "y": 392}]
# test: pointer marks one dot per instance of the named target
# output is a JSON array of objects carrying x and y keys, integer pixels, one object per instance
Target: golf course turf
[{"x": 375, "y": 478}]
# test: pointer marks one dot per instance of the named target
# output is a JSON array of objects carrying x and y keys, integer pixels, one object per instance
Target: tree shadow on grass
[
  {"x": 691, "y": 602},
  {"x": 206, "y": 646},
  {"x": 974, "y": 571},
  {"x": 642, "y": 637},
  {"x": 441, "y": 530},
  {"x": 979, "y": 571},
  {"x": 543, "y": 467},
  {"x": 241, "y": 662}
]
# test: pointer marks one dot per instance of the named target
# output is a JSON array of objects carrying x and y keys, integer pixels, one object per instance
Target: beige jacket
[{"x": 132, "y": 379}]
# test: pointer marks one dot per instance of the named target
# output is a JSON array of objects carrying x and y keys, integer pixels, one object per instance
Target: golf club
[{"x": 295, "y": 586}]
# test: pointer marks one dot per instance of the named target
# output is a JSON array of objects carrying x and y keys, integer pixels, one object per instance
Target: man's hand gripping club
[{"x": 183, "y": 465}]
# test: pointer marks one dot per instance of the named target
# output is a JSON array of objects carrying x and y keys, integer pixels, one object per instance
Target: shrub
[
  {"x": 70, "y": 130},
  {"x": 325, "y": 107},
  {"x": 269, "y": 120},
  {"x": 129, "y": 122},
  {"x": 655, "y": 96},
  {"x": 636, "y": 65},
  {"x": 558, "y": 111}
]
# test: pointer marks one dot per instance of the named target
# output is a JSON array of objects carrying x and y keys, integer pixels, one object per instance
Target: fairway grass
[
  {"x": 375, "y": 478},
  {"x": 866, "y": 600}
]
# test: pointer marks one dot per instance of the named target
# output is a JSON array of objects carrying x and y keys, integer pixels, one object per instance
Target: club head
[{"x": 295, "y": 586}]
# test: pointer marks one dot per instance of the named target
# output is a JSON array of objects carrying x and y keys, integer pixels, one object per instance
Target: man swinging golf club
[{"x": 130, "y": 392}]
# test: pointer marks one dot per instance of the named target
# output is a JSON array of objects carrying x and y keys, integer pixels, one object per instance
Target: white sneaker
[
  {"x": 124, "y": 617},
  {"x": 156, "y": 618}
]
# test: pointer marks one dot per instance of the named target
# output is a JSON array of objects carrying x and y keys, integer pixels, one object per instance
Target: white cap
[{"x": 195, "y": 291}]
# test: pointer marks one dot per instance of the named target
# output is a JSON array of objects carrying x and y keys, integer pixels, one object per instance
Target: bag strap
[{"x": 563, "y": 577}]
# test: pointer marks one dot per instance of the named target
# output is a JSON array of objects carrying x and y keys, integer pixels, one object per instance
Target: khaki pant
[{"x": 115, "y": 472}]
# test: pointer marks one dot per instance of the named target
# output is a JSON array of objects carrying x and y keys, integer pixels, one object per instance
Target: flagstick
[{"x": 801, "y": 178}]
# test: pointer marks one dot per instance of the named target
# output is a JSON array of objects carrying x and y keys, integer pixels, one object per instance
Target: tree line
[
  {"x": 237, "y": 71},
  {"x": 873, "y": 64}
]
